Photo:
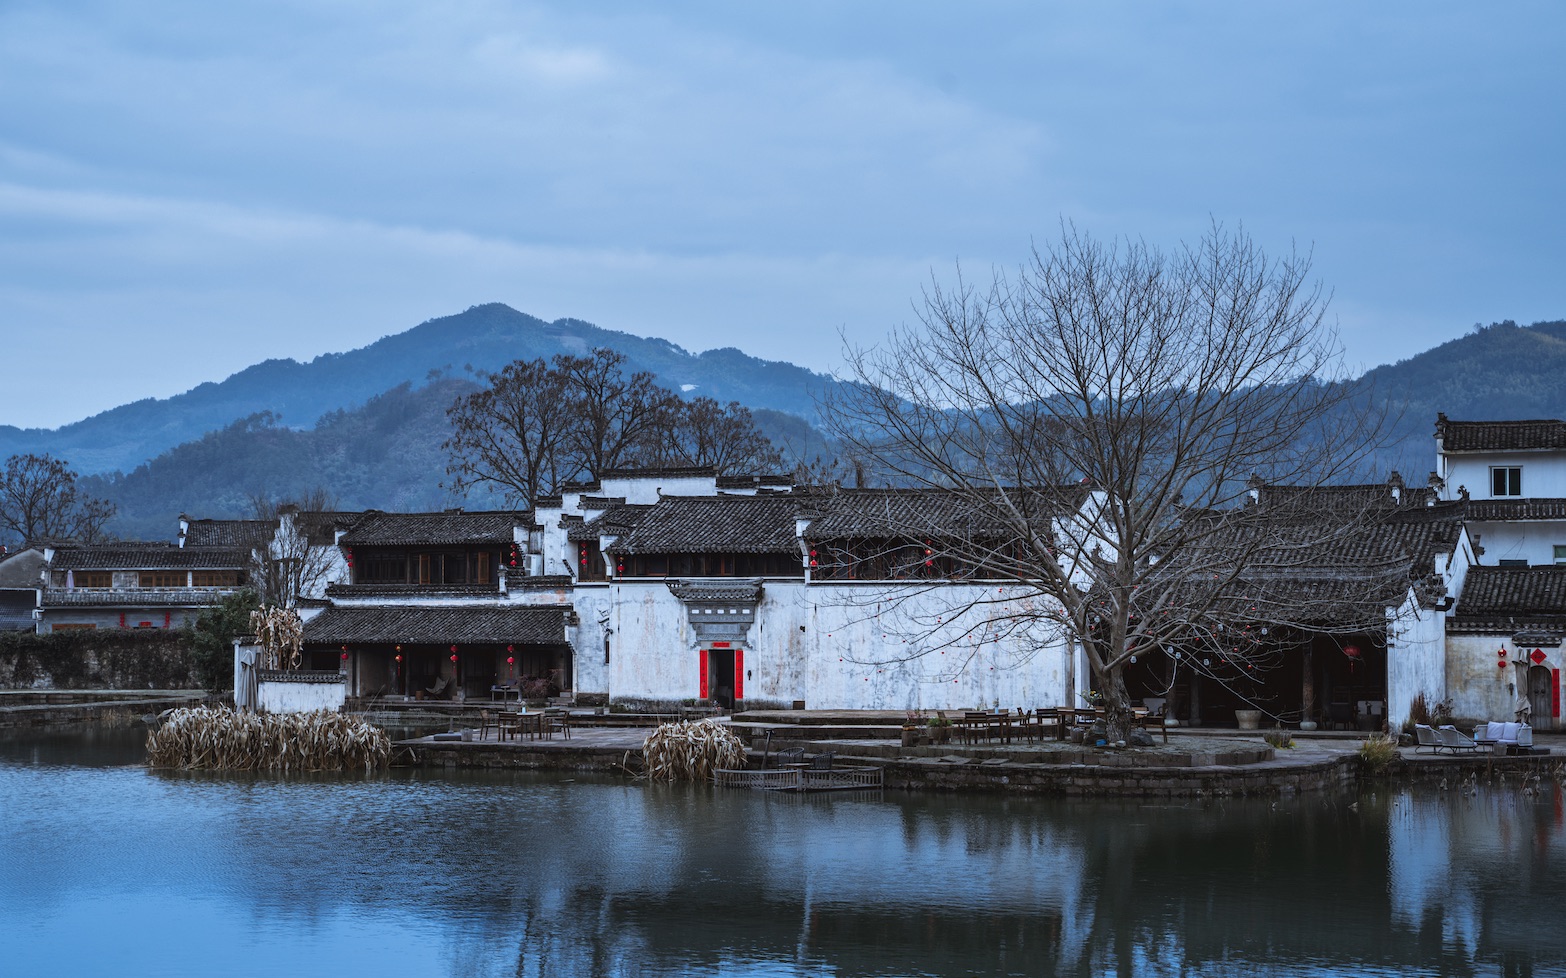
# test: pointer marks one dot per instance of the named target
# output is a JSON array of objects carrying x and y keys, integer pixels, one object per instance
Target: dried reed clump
[
  {"x": 691, "y": 750},
  {"x": 222, "y": 739},
  {"x": 281, "y": 634},
  {"x": 1378, "y": 752}
]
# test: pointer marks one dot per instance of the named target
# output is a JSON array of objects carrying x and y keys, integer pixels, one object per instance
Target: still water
[{"x": 109, "y": 869}]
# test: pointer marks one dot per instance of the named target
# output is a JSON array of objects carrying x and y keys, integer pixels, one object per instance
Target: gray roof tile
[
  {"x": 436, "y": 529},
  {"x": 1491, "y": 436},
  {"x": 433, "y": 625},
  {"x": 149, "y": 556}
]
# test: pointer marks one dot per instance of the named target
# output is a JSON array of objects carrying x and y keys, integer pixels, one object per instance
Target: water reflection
[{"x": 114, "y": 868}]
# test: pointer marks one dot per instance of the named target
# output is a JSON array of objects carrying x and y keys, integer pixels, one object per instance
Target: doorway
[
  {"x": 1541, "y": 697},
  {"x": 725, "y": 676}
]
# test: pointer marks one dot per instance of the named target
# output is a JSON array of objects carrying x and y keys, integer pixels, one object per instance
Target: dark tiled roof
[
  {"x": 229, "y": 533},
  {"x": 611, "y": 522},
  {"x": 1490, "y": 436},
  {"x": 438, "y": 626},
  {"x": 16, "y": 609},
  {"x": 411, "y": 590},
  {"x": 1521, "y": 592},
  {"x": 149, "y": 556},
  {"x": 715, "y": 524},
  {"x": 436, "y": 529},
  {"x": 1342, "y": 497},
  {"x": 666, "y": 472},
  {"x": 907, "y": 513},
  {"x": 172, "y": 597},
  {"x": 1500, "y": 510},
  {"x": 755, "y": 481}
]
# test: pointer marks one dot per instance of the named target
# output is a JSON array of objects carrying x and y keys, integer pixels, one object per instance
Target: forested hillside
[
  {"x": 483, "y": 338},
  {"x": 386, "y": 453}
]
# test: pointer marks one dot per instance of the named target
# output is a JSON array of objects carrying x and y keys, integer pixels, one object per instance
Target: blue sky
[{"x": 187, "y": 188}]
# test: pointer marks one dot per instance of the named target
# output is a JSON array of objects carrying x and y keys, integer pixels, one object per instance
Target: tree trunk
[{"x": 1118, "y": 718}]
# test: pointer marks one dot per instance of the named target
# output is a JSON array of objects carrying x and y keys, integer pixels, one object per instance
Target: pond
[{"x": 108, "y": 868}]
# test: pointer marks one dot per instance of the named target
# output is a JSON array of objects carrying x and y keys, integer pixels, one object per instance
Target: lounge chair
[
  {"x": 439, "y": 688},
  {"x": 1453, "y": 739},
  {"x": 1513, "y": 737},
  {"x": 1426, "y": 736}
]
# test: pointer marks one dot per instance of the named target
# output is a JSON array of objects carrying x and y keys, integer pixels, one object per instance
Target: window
[
  {"x": 220, "y": 578},
  {"x": 84, "y": 578},
  {"x": 160, "y": 579},
  {"x": 1505, "y": 480},
  {"x": 590, "y": 563},
  {"x": 72, "y": 627},
  {"x": 1511, "y": 563},
  {"x": 1560, "y": 554}
]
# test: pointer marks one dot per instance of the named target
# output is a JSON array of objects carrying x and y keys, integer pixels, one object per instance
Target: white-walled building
[{"x": 1512, "y": 474}]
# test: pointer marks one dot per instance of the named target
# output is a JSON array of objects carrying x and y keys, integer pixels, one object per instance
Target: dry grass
[
  {"x": 691, "y": 750},
  {"x": 1378, "y": 752},
  {"x": 220, "y": 739}
]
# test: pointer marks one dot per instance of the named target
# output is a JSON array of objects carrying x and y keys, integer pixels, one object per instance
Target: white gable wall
[
  {"x": 1543, "y": 473},
  {"x": 836, "y": 647}
]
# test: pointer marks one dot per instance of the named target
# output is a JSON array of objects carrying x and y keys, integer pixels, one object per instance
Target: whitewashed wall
[
  {"x": 1533, "y": 541},
  {"x": 842, "y": 646},
  {"x": 1416, "y": 658},
  {"x": 300, "y": 697},
  {"x": 1482, "y": 689},
  {"x": 1543, "y": 475}
]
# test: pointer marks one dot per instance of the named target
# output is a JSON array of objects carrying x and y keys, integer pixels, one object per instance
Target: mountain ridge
[
  {"x": 381, "y": 447},
  {"x": 481, "y": 338}
]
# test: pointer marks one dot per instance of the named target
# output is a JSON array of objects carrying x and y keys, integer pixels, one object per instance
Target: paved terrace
[{"x": 1192, "y": 762}]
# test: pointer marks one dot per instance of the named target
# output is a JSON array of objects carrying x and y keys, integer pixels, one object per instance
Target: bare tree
[
  {"x": 702, "y": 432},
  {"x": 39, "y": 501},
  {"x": 1098, "y": 412},
  {"x": 612, "y": 415},
  {"x": 537, "y": 425},
  {"x": 510, "y": 437},
  {"x": 299, "y": 557}
]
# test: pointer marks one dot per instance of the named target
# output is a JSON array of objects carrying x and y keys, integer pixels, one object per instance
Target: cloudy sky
[{"x": 189, "y": 187}]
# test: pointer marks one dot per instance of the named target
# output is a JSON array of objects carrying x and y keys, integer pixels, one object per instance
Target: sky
[{"x": 187, "y": 188}]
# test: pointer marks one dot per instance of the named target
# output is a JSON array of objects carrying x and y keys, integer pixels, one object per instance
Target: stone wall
[{"x": 98, "y": 659}]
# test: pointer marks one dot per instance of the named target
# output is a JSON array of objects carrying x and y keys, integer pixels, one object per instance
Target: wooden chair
[{"x": 559, "y": 721}]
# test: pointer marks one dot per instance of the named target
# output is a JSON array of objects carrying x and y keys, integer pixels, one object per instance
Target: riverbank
[
  {"x": 1192, "y": 764},
  {"x": 23, "y": 708}
]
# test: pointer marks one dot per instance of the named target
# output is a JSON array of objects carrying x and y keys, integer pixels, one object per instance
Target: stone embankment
[{"x": 43, "y": 708}]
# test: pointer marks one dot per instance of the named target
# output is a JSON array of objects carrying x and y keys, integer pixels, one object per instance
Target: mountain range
[{"x": 368, "y": 424}]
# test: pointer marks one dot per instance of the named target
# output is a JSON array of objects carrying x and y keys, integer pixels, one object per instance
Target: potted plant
[{"x": 940, "y": 729}]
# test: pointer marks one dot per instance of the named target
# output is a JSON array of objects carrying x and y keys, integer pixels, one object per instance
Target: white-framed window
[
  {"x": 1560, "y": 554},
  {"x": 1505, "y": 480}
]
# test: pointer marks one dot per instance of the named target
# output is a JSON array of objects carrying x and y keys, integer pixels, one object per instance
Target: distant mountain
[
  {"x": 1494, "y": 373},
  {"x": 484, "y": 338},
  {"x": 384, "y": 455},
  {"x": 382, "y": 449}
]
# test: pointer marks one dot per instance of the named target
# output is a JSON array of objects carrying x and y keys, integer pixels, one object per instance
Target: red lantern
[
  {"x": 399, "y": 658},
  {"x": 453, "y": 658},
  {"x": 345, "y": 656},
  {"x": 1501, "y": 663}
]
